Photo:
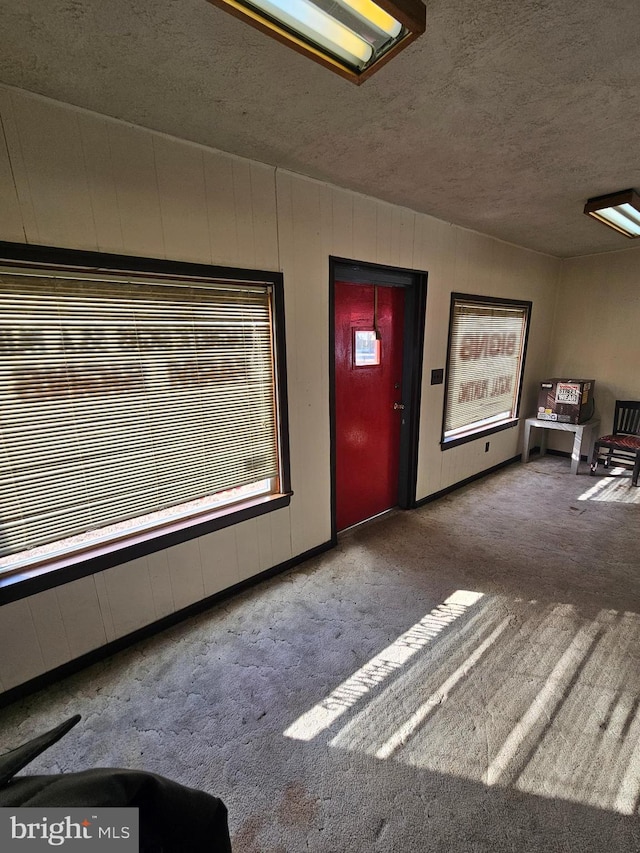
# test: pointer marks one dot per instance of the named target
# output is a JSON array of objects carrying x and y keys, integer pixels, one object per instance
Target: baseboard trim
[
  {"x": 534, "y": 451},
  {"x": 461, "y": 483},
  {"x": 46, "y": 679},
  {"x": 566, "y": 454},
  {"x": 31, "y": 686}
]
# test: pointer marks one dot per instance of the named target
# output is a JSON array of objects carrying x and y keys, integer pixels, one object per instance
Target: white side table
[{"x": 586, "y": 430}]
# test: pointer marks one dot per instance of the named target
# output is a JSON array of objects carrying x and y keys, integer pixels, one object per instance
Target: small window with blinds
[
  {"x": 133, "y": 404},
  {"x": 487, "y": 344}
]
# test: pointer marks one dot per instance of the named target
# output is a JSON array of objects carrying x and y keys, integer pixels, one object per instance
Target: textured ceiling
[{"x": 504, "y": 117}]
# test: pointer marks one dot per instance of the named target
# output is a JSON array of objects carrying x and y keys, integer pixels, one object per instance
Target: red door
[{"x": 368, "y": 378}]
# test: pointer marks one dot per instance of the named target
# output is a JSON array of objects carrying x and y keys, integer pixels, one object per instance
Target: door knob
[{"x": 398, "y": 405}]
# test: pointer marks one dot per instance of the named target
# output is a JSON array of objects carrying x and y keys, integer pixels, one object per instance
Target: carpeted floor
[{"x": 463, "y": 678}]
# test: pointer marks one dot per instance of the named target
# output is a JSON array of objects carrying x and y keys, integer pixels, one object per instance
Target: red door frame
[
  {"x": 415, "y": 284},
  {"x": 369, "y": 408}
]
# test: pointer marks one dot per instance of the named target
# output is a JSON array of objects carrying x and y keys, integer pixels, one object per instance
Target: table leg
[
  {"x": 525, "y": 442},
  {"x": 575, "y": 453},
  {"x": 544, "y": 437}
]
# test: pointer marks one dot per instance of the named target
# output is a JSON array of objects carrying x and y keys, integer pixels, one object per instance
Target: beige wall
[
  {"x": 74, "y": 179},
  {"x": 595, "y": 333}
]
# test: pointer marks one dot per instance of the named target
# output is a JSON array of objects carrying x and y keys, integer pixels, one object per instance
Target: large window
[
  {"x": 487, "y": 343},
  {"x": 133, "y": 404}
]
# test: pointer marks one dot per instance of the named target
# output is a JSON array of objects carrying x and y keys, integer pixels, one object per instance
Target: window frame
[
  {"x": 56, "y": 571},
  {"x": 490, "y": 429}
]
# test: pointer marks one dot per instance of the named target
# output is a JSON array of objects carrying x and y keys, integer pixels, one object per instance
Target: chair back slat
[{"x": 626, "y": 418}]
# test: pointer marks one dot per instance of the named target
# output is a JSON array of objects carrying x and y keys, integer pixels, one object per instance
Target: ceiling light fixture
[
  {"x": 620, "y": 211},
  {"x": 354, "y": 38}
]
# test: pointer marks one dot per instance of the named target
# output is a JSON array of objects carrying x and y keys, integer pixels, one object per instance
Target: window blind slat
[
  {"x": 120, "y": 398},
  {"x": 485, "y": 360}
]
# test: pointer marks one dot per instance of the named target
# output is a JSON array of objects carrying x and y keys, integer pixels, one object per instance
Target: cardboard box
[{"x": 568, "y": 401}]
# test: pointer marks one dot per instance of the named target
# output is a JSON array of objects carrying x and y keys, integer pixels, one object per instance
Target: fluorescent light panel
[
  {"x": 620, "y": 211},
  {"x": 352, "y": 37},
  {"x": 372, "y": 15},
  {"x": 317, "y": 26}
]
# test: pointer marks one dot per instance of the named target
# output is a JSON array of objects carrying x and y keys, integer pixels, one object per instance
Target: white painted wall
[
  {"x": 73, "y": 179},
  {"x": 596, "y": 331}
]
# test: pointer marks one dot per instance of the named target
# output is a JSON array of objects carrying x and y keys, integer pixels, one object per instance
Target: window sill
[
  {"x": 448, "y": 443},
  {"x": 47, "y": 574}
]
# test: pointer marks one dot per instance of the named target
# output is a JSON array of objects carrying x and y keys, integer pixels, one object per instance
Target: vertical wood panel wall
[{"x": 74, "y": 179}]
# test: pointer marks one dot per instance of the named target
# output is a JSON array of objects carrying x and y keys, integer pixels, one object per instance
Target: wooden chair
[{"x": 623, "y": 445}]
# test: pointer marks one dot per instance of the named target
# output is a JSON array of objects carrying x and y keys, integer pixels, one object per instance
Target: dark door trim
[{"x": 415, "y": 284}]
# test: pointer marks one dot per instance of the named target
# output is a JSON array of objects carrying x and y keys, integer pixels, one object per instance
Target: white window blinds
[
  {"x": 485, "y": 361},
  {"x": 120, "y": 398}
]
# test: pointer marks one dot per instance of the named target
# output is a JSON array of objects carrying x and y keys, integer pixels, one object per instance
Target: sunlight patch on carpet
[
  {"x": 528, "y": 695},
  {"x": 380, "y": 667},
  {"x": 615, "y": 488}
]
